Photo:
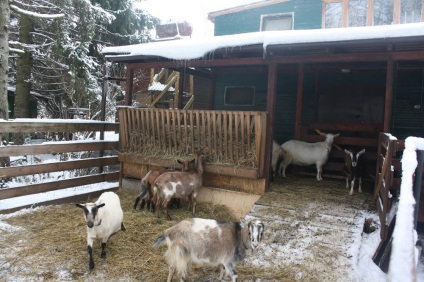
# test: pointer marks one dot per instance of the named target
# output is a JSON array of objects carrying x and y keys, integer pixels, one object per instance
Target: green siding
[{"x": 307, "y": 15}]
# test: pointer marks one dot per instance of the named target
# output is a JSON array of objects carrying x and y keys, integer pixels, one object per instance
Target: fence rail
[
  {"x": 224, "y": 137},
  {"x": 75, "y": 155}
]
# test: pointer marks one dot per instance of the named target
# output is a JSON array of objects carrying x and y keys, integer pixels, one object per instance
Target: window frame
[
  {"x": 276, "y": 15},
  {"x": 239, "y": 105}
]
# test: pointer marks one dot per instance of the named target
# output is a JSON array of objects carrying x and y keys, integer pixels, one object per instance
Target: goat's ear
[
  {"x": 101, "y": 205},
  {"x": 336, "y": 135},
  {"x": 347, "y": 151},
  {"x": 361, "y": 152},
  {"x": 80, "y": 206}
]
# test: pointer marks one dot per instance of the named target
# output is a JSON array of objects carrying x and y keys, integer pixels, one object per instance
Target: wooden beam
[
  {"x": 314, "y": 58},
  {"x": 270, "y": 107},
  {"x": 37, "y": 125},
  {"x": 389, "y": 96},
  {"x": 299, "y": 99},
  {"x": 129, "y": 86},
  {"x": 181, "y": 89}
]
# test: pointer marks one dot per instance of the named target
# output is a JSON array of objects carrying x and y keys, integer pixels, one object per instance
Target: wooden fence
[
  {"x": 93, "y": 159},
  {"x": 232, "y": 138}
]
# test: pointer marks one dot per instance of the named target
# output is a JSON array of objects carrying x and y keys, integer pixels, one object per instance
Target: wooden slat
[
  {"x": 57, "y": 185},
  {"x": 51, "y": 126},
  {"x": 6, "y": 172},
  {"x": 192, "y": 130},
  {"x": 230, "y": 137},
  {"x": 15, "y": 150},
  {"x": 72, "y": 199}
]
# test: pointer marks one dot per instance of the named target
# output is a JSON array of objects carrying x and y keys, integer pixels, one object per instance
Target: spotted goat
[{"x": 209, "y": 242}]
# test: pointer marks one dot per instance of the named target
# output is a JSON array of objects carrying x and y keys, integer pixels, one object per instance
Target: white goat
[
  {"x": 179, "y": 184},
  {"x": 303, "y": 153},
  {"x": 354, "y": 166},
  {"x": 104, "y": 218},
  {"x": 209, "y": 242},
  {"x": 277, "y": 156}
]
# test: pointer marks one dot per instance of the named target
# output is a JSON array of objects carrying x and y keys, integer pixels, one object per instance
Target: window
[
  {"x": 343, "y": 13},
  {"x": 239, "y": 96},
  {"x": 277, "y": 22}
]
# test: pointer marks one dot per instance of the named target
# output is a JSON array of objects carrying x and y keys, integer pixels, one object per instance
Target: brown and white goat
[
  {"x": 354, "y": 167},
  {"x": 179, "y": 185},
  {"x": 209, "y": 242},
  {"x": 146, "y": 188}
]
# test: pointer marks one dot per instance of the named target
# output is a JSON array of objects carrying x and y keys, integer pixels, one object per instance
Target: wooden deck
[{"x": 311, "y": 227}]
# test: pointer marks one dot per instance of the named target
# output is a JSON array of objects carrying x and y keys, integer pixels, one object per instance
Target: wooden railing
[
  {"x": 224, "y": 137},
  {"x": 93, "y": 152}
]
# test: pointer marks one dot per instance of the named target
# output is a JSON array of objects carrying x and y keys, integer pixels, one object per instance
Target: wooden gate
[{"x": 388, "y": 176}]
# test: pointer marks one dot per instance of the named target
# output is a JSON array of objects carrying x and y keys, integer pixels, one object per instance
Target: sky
[{"x": 193, "y": 11}]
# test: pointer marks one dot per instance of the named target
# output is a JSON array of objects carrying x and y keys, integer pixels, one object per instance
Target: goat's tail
[
  {"x": 178, "y": 257},
  {"x": 159, "y": 241}
]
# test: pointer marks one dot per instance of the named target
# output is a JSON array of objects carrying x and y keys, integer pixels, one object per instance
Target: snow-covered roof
[{"x": 196, "y": 48}]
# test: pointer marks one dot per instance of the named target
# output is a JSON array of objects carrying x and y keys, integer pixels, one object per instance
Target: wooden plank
[
  {"x": 20, "y": 150},
  {"x": 229, "y": 170},
  {"x": 215, "y": 144},
  {"x": 159, "y": 131},
  {"x": 129, "y": 86},
  {"x": 192, "y": 130},
  {"x": 346, "y": 127},
  {"x": 209, "y": 135},
  {"x": 6, "y": 172},
  {"x": 225, "y": 129},
  {"x": 396, "y": 11},
  {"x": 72, "y": 199},
  {"x": 55, "y": 126},
  {"x": 370, "y": 12},
  {"x": 57, "y": 185},
  {"x": 243, "y": 135},
  {"x": 198, "y": 126}
]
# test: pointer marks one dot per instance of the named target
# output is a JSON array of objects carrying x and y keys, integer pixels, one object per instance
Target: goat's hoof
[
  {"x": 351, "y": 194},
  {"x": 91, "y": 265}
]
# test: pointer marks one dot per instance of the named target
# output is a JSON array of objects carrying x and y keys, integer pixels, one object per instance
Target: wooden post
[
  {"x": 181, "y": 89},
  {"x": 389, "y": 96},
  {"x": 300, "y": 77},
  {"x": 370, "y": 13},
  {"x": 103, "y": 109},
  {"x": 270, "y": 107},
  {"x": 129, "y": 85},
  {"x": 396, "y": 11},
  {"x": 345, "y": 13}
]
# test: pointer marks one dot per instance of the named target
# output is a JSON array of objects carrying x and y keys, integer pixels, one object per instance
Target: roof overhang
[{"x": 258, "y": 47}]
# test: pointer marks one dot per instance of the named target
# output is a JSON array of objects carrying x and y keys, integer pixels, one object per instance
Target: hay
[{"x": 51, "y": 245}]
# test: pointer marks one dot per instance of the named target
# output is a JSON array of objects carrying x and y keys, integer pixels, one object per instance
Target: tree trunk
[
  {"x": 4, "y": 57},
  {"x": 4, "y": 66},
  {"x": 23, "y": 75}
]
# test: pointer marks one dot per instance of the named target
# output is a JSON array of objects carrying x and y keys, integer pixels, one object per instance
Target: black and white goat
[
  {"x": 303, "y": 153},
  {"x": 354, "y": 167},
  {"x": 104, "y": 218},
  {"x": 209, "y": 242}
]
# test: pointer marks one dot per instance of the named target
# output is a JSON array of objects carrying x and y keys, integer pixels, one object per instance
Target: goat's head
[
  {"x": 90, "y": 213},
  {"x": 329, "y": 138},
  {"x": 186, "y": 165},
  {"x": 255, "y": 230},
  {"x": 354, "y": 158}
]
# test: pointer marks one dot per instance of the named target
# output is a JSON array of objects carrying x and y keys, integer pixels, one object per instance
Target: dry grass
[{"x": 51, "y": 245}]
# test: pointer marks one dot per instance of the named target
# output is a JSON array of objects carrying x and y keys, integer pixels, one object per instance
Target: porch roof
[{"x": 266, "y": 44}]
